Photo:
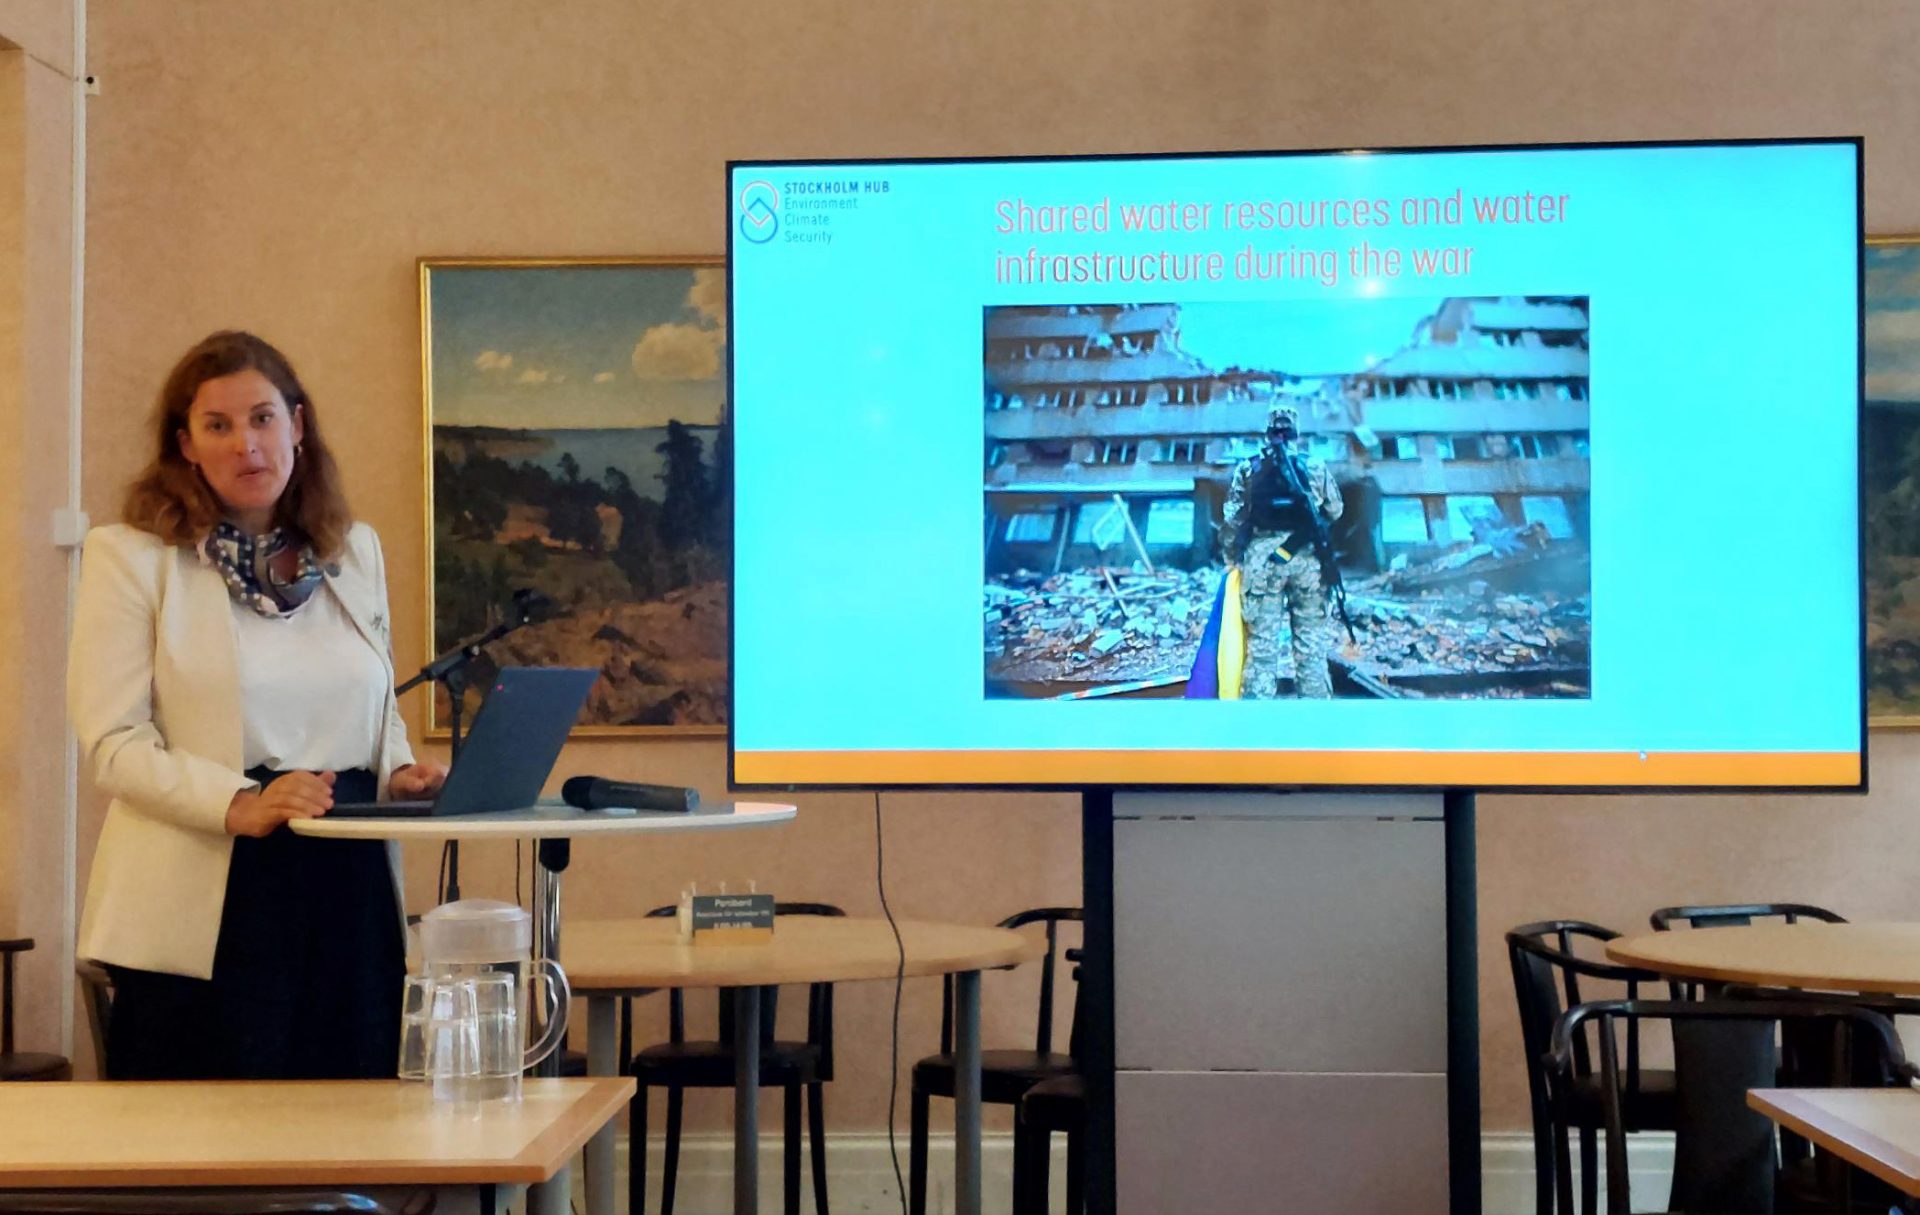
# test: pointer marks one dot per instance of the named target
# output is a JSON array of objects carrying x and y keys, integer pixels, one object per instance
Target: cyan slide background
[{"x": 1725, "y": 569}]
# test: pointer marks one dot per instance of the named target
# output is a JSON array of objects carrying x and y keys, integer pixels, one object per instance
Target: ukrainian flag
[{"x": 1222, "y": 657}]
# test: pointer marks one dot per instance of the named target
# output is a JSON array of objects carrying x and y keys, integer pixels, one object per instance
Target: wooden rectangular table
[
  {"x": 1877, "y": 1129},
  {"x": 272, "y": 1134}
]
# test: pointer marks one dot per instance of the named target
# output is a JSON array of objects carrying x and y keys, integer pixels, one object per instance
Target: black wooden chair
[
  {"x": 1725, "y": 1154},
  {"x": 96, "y": 992},
  {"x": 1726, "y": 914},
  {"x": 22, "y": 1065},
  {"x": 679, "y": 1064},
  {"x": 1057, "y": 1104},
  {"x": 1813, "y": 1056},
  {"x": 1005, "y": 1075},
  {"x": 1547, "y": 974}
]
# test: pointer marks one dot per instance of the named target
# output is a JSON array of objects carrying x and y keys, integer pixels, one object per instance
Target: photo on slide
[{"x": 1368, "y": 498}]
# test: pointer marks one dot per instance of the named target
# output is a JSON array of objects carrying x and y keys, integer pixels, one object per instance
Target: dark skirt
[{"x": 306, "y": 975}]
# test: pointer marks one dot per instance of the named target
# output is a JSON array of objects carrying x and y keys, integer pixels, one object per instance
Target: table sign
[{"x": 732, "y": 919}]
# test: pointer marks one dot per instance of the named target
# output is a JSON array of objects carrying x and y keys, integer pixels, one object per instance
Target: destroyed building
[
  {"x": 1088, "y": 402},
  {"x": 1481, "y": 415},
  {"x": 1484, "y": 413}
]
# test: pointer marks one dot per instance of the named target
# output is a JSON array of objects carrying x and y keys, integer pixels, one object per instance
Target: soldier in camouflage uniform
[{"x": 1269, "y": 535}]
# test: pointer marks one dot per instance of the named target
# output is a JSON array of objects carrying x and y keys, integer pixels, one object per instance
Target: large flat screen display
[{"x": 1514, "y": 467}]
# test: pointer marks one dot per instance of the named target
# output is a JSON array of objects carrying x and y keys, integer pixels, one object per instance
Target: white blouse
[{"x": 312, "y": 688}]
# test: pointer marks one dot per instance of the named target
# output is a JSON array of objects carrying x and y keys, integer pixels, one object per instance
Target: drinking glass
[
  {"x": 502, "y": 1048},
  {"x": 414, "y": 999},
  {"x": 453, "y": 1040}
]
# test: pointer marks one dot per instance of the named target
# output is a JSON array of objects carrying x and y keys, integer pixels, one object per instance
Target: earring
[{"x": 299, "y": 449}]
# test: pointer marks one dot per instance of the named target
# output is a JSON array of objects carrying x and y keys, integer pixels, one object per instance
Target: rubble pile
[
  {"x": 1094, "y": 625},
  {"x": 1469, "y": 631},
  {"x": 1511, "y": 601},
  {"x": 1508, "y": 618}
]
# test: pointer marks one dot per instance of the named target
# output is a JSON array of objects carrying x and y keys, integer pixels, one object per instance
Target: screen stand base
[{"x": 1304, "y": 959}]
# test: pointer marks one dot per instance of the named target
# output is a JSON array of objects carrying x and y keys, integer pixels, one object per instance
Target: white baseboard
[
  {"x": 1506, "y": 1171},
  {"x": 860, "y": 1165},
  {"x": 863, "y": 1180}
]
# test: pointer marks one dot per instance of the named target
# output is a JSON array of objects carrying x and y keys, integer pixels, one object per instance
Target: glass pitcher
[{"x": 492, "y": 941}]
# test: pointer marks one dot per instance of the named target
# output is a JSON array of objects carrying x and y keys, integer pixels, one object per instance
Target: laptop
[{"x": 510, "y": 751}]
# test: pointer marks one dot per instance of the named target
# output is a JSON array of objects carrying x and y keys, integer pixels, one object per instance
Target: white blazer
[{"x": 153, "y": 688}]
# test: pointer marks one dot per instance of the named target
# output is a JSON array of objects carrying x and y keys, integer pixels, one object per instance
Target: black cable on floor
[{"x": 899, "y": 982}]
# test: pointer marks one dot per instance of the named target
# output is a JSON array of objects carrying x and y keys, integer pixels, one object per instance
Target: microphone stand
[{"x": 450, "y": 669}]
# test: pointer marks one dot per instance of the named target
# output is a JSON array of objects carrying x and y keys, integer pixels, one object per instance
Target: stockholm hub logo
[{"x": 759, "y": 211}]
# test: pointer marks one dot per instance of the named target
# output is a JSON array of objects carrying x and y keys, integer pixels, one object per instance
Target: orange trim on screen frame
[{"x": 1466, "y": 769}]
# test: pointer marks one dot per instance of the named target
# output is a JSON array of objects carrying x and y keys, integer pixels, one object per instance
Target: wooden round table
[
  {"x": 608, "y": 959},
  {"x": 1877, "y": 958}
]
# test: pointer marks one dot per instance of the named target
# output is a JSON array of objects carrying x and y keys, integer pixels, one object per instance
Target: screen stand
[
  {"x": 1463, "y": 1006},
  {"x": 1298, "y": 971}
]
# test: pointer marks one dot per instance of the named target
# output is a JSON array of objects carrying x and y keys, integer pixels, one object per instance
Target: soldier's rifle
[{"x": 1322, "y": 540}]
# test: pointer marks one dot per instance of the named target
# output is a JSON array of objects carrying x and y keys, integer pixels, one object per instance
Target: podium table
[{"x": 547, "y": 821}]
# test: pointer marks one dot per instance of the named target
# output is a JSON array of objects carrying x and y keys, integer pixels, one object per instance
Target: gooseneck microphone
[
  {"x": 597, "y": 793},
  {"x": 532, "y": 607}
]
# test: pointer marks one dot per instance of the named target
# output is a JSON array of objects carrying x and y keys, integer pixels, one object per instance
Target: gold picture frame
[
  {"x": 560, "y": 396},
  {"x": 1890, "y": 442}
]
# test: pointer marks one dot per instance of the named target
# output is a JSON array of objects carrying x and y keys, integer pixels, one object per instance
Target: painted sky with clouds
[
  {"x": 570, "y": 347},
  {"x": 1893, "y": 323}
]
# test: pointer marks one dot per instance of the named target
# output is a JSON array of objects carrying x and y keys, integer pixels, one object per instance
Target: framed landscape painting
[
  {"x": 1890, "y": 440},
  {"x": 578, "y": 431}
]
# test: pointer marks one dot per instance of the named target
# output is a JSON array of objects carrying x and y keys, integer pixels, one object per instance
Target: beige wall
[
  {"x": 36, "y": 235},
  {"x": 43, "y": 29},
  {"x": 280, "y": 166}
]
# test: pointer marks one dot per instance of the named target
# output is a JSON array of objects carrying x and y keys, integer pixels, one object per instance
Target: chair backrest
[
  {"x": 1077, "y": 1027},
  {"x": 1052, "y": 917},
  {"x": 1731, "y": 914},
  {"x": 7, "y": 951},
  {"x": 1724, "y": 1153},
  {"x": 1546, "y": 982},
  {"x": 819, "y": 997},
  {"x": 96, "y": 986}
]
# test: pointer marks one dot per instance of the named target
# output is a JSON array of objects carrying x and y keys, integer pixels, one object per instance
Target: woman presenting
[{"x": 229, "y": 672}]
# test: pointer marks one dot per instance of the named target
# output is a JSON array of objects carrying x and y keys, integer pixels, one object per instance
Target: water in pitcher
[{"x": 483, "y": 947}]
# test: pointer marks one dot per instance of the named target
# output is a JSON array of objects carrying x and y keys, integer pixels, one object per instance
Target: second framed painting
[
  {"x": 577, "y": 433},
  {"x": 1890, "y": 442}
]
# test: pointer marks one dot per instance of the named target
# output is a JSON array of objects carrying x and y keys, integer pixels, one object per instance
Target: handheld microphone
[{"x": 597, "y": 793}]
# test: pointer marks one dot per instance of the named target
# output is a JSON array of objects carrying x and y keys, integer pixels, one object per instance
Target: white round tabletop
[{"x": 546, "y": 820}]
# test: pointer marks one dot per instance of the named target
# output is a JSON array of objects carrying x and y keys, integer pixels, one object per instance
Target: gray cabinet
[{"x": 1280, "y": 1003}]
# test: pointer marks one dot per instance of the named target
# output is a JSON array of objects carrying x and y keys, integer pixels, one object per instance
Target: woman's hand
[
  {"x": 416, "y": 780},
  {"x": 293, "y": 795}
]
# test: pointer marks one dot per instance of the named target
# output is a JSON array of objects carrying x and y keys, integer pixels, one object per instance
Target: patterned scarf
[{"x": 246, "y": 562}]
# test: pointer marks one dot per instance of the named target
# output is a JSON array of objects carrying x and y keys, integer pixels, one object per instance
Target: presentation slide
[{"x": 1485, "y": 468}]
